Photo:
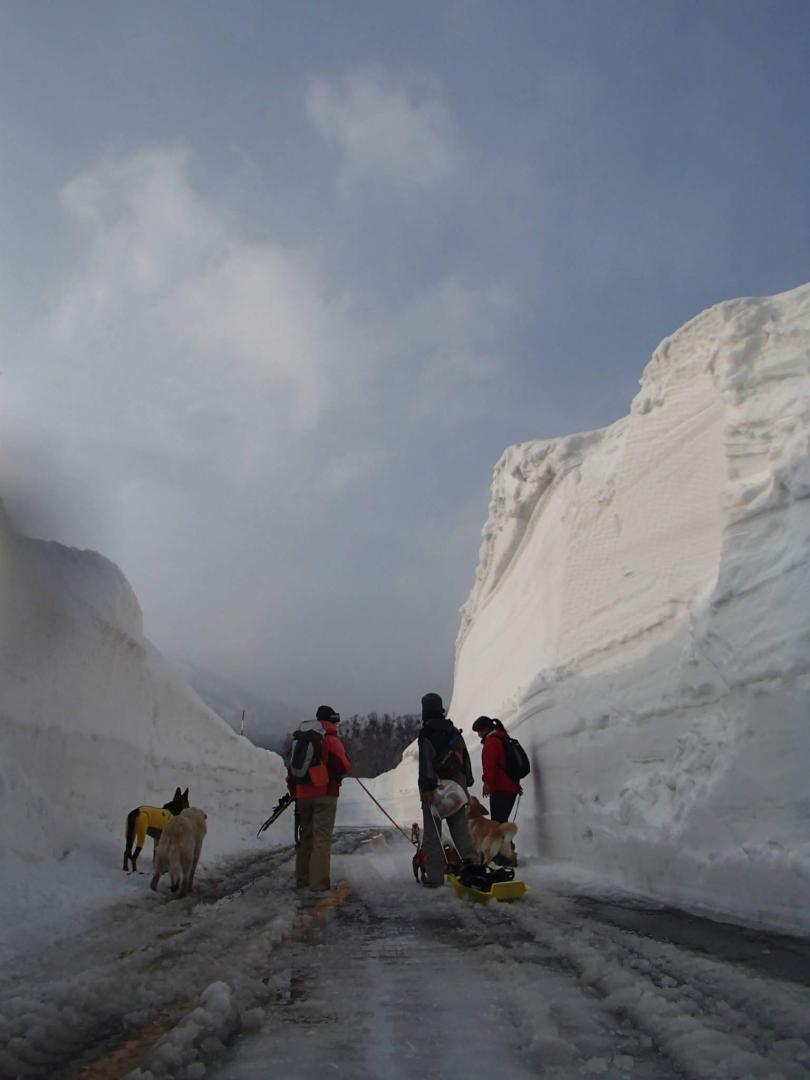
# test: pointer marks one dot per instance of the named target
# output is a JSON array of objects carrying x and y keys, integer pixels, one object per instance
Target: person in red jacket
[
  {"x": 498, "y": 784},
  {"x": 317, "y": 806}
]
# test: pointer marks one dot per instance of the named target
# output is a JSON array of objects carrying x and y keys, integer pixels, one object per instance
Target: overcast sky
[{"x": 280, "y": 281}]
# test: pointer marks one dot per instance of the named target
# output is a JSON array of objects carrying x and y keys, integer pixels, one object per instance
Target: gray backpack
[{"x": 306, "y": 750}]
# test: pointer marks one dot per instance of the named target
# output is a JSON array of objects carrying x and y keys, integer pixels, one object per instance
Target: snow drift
[
  {"x": 640, "y": 620},
  {"x": 94, "y": 722}
]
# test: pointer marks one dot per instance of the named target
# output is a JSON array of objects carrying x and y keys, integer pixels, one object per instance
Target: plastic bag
[{"x": 449, "y": 798}]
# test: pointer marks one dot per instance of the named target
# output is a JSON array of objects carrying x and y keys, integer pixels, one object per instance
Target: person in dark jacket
[
  {"x": 317, "y": 806},
  {"x": 498, "y": 784},
  {"x": 442, "y": 756}
]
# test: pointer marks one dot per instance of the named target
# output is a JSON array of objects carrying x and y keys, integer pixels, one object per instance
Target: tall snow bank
[
  {"x": 93, "y": 722},
  {"x": 640, "y": 618}
]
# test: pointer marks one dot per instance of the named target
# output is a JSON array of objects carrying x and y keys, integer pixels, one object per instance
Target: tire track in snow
[
  {"x": 428, "y": 988},
  {"x": 59, "y": 1011},
  {"x": 710, "y": 1018},
  {"x": 559, "y": 993}
]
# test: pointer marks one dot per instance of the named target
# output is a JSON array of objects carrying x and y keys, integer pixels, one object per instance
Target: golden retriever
[{"x": 490, "y": 837}]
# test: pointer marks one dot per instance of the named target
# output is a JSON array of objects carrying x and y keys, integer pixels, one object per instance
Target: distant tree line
[{"x": 374, "y": 742}]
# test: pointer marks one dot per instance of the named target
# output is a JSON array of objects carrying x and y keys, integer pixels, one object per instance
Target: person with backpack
[
  {"x": 502, "y": 769},
  {"x": 316, "y": 766},
  {"x": 442, "y": 756}
]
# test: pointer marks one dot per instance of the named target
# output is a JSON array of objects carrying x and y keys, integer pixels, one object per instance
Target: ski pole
[
  {"x": 517, "y": 804},
  {"x": 363, "y": 786}
]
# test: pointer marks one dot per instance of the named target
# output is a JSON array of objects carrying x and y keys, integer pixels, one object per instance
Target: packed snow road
[{"x": 384, "y": 979}]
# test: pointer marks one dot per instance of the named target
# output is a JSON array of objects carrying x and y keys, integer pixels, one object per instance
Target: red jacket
[
  {"x": 333, "y": 757},
  {"x": 493, "y": 760}
]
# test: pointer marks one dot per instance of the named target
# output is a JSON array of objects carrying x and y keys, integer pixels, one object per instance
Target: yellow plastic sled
[{"x": 500, "y": 890}]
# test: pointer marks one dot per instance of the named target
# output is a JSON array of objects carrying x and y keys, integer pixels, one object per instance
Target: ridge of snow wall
[
  {"x": 94, "y": 722},
  {"x": 640, "y": 619}
]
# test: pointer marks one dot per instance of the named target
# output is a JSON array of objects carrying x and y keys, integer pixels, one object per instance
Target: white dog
[{"x": 179, "y": 849}]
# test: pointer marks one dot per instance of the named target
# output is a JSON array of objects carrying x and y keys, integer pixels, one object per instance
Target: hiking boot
[
  {"x": 475, "y": 877},
  {"x": 502, "y": 860}
]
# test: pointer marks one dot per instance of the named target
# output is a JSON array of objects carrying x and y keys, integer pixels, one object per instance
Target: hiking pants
[
  {"x": 434, "y": 856},
  {"x": 501, "y": 804},
  {"x": 313, "y": 854}
]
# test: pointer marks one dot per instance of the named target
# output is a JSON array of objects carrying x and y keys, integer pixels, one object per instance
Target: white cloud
[
  {"x": 209, "y": 397},
  {"x": 456, "y": 330},
  {"x": 214, "y": 324},
  {"x": 269, "y": 316},
  {"x": 347, "y": 469},
  {"x": 145, "y": 229},
  {"x": 179, "y": 346},
  {"x": 179, "y": 340},
  {"x": 402, "y": 132}
]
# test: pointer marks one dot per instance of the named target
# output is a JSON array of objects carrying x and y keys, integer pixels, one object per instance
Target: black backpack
[
  {"x": 517, "y": 760},
  {"x": 451, "y": 760},
  {"x": 306, "y": 751}
]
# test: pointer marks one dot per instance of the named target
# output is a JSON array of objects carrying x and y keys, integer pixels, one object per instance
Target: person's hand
[
  {"x": 520, "y": 790},
  {"x": 486, "y": 790},
  {"x": 428, "y": 796}
]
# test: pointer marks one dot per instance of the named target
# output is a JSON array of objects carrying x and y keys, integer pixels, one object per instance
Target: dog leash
[{"x": 363, "y": 786}]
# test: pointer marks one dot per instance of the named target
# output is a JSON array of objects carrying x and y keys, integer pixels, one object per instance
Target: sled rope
[{"x": 363, "y": 786}]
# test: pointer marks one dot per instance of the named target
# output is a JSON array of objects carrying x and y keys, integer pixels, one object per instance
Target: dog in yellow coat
[{"x": 146, "y": 821}]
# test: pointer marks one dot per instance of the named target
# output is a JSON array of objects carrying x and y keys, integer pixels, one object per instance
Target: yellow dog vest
[{"x": 150, "y": 817}]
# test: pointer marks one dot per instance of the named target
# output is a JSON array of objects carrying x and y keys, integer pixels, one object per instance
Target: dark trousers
[
  {"x": 313, "y": 854},
  {"x": 432, "y": 844},
  {"x": 501, "y": 804}
]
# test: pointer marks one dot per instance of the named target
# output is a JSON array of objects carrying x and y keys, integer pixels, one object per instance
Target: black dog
[{"x": 146, "y": 821}]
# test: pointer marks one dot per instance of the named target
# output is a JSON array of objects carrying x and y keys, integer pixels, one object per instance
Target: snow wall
[
  {"x": 640, "y": 620},
  {"x": 93, "y": 721}
]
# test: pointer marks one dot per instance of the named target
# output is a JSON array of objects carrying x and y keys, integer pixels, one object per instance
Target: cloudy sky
[{"x": 280, "y": 281}]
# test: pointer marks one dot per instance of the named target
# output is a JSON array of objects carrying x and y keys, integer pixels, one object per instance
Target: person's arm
[
  {"x": 488, "y": 763},
  {"x": 468, "y": 773},
  {"x": 427, "y": 770},
  {"x": 337, "y": 763}
]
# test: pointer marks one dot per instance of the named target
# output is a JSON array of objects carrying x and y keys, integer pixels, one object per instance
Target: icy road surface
[{"x": 385, "y": 979}]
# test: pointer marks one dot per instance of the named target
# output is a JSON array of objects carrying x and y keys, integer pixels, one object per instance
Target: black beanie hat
[
  {"x": 432, "y": 707},
  {"x": 326, "y": 712}
]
